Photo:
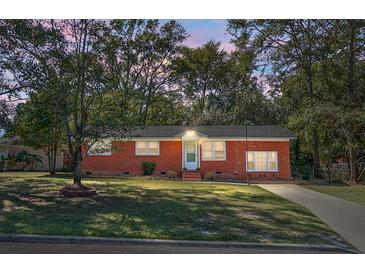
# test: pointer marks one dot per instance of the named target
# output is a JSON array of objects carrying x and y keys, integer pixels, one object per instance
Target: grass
[
  {"x": 354, "y": 193},
  {"x": 156, "y": 209}
]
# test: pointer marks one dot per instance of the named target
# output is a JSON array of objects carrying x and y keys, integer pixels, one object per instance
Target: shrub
[
  {"x": 148, "y": 168},
  {"x": 306, "y": 174},
  {"x": 172, "y": 174},
  {"x": 64, "y": 169},
  {"x": 225, "y": 176},
  {"x": 209, "y": 176}
]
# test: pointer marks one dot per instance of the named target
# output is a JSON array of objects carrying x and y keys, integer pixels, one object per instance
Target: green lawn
[
  {"x": 158, "y": 209},
  {"x": 354, "y": 194}
]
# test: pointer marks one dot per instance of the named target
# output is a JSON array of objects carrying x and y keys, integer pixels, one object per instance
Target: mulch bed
[{"x": 77, "y": 191}]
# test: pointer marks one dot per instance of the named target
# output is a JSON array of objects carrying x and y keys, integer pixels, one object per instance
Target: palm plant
[{"x": 27, "y": 158}]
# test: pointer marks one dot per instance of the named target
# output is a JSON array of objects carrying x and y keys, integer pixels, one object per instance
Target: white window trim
[
  {"x": 225, "y": 151},
  {"x": 147, "y": 154},
  {"x": 106, "y": 153},
  {"x": 250, "y": 170}
]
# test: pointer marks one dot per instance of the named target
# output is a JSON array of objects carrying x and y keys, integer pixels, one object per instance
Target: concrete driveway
[{"x": 346, "y": 218}]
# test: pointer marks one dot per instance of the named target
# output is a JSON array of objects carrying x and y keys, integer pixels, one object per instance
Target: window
[
  {"x": 147, "y": 148},
  {"x": 262, "y": 161},
  {"x": 190, "y": 150},
  {"x": 100, "y": 148},
  {"x": 214, "y": 151}
]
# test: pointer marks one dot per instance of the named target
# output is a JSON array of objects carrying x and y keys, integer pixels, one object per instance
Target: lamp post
[{"x": 247, "y": 123}]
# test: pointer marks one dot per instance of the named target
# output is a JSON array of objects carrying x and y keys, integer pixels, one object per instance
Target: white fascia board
[
  {"x": 257, "y": 139},
  {"x": 251, "y": 139}
]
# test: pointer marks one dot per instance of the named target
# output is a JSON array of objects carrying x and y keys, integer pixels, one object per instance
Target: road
[{"x": 60, "y": 248}]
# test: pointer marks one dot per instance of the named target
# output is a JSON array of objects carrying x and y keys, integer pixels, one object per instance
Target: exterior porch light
[{"x": 190, "y": 133}]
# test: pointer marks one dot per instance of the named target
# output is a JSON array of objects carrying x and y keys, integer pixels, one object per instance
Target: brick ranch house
[{"x": 191, "y": 151}]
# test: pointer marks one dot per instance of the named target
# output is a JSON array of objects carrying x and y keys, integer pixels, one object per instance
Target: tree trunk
[
  {"x": 145, "y": 115},
  {"x": 50, "y": 155},
  {"x": 51, "y": 165},
  {"x": 315, "y": 151},
  {"x": 315, "y": 138},
  {"x": 54, "y": 159},
  {"x": 49, "y": 158},
  {"x": 77, "y": 166},
  {"x": 353, "y": 166}
]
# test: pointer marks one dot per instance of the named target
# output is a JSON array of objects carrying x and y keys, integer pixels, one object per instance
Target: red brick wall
[
  {"x": 236, "y": 160},
  {"x": 123, "y": 159}
]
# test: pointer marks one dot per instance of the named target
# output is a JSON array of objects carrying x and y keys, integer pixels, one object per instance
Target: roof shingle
[{"x": 271, "y": 131}]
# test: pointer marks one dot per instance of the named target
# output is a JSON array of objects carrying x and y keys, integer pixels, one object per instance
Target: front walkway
[{"x": 346, "y": 218}]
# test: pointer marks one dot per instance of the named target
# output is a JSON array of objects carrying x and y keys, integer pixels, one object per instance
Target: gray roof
[{"x": 271, "y": 131}]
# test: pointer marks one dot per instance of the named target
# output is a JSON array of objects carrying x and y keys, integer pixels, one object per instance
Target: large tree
[
  {"x": 221, "y": 87},
  {"x": 138, "y": 55},
  {"x": 60, "y": 57},
  {"x": 200, "y": 73},
  {"x": 316, "y": 69},
  {"x": 342, "y": 74},
  {"x": 287, "y": 47},
  {"x": 37, "y": 125}
]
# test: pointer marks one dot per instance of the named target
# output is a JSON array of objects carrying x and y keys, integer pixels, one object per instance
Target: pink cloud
[{"x": 202, "y": 31}]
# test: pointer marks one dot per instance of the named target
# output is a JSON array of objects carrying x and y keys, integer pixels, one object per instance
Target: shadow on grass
[
  {"x": 60, "y": 175},
  {"x": 172, "y": 211}
]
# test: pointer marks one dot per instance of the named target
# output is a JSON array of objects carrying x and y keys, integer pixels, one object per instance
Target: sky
[{"x": 201, "y": 31}]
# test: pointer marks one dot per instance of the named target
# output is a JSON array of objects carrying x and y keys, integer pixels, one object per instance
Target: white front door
[{"x": 191, "y": 155}]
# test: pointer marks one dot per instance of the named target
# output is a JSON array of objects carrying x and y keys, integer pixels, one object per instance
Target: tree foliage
[
  {"x": 38, "y": 126},
  {"x": 317, "y": 74},
  {"x": 91, "y": 79}
]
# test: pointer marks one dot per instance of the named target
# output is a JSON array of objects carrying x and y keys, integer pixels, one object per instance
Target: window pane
[
  {"x": 141, "y": 151},
  {"x": 219, "y": 150},
  {"x": 251, "y": 166},
  {"x": 261, "y": 161},
  {"x": 251, "y": 156},
  {"x": 141, "y": 148},
  {"x": 141, "y": 145},
  {"x": 153, "y": 145},
  {"x": 272, "y": 166},
  {"x": 213, "y": 150},
  {"x": 208, "y": 155},
  {"x": 190, "y": 147},
  {"x": 273, "y": 160},
  {"x": 219, "y": 155},
  {"x": 190, "y": 157},
  {"x": 147, "y": 148},
  {"x": 153, "y": 151},
  {"x": 219, "y": 146},
  {"x": 272, "y": 156},
  {"x": 207, "y": 146},
  {"x": 153, "y": 148},
  {"x": 207, "y": 151}
]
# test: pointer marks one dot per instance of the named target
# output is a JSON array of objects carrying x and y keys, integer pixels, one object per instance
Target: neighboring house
[
  {"x": 189, "y": 150},
  {"x": 9, "y": 148}
]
